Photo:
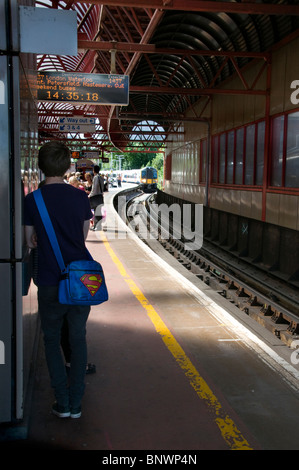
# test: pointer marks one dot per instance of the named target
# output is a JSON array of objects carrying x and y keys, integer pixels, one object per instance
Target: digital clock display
[{"x": 91, "y": 88}]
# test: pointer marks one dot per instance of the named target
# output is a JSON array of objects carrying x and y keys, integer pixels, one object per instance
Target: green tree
[
  {"x": 158, "y": 163},
  {"x": 136, "y": 159}
]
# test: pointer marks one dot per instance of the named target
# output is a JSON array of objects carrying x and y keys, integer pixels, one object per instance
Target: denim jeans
[{"x": 52, "y": 314}]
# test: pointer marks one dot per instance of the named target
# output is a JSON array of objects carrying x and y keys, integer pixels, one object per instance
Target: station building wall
[{"x": 264, "y": 196}]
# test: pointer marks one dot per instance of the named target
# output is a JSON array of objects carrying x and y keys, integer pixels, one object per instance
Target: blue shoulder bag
[{"x": 82, "y": 282}]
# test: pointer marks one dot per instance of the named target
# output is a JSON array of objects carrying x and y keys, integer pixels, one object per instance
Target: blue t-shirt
[{"x": 68, "y": 208}]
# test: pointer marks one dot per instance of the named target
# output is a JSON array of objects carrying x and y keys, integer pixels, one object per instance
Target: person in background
[
  {"x": 96, "y": 197},
  {"x": 106, "y": 182},
  {"x": 73, "y": 180},
  {"x": 69, "y": 210},
  {"x": 88, "y": 182}
]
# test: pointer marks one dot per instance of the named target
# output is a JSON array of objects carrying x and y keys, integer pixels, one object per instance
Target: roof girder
[
  {"x": 250, "y": 8},
  {"x": 120, "y": 37},
  {"x": 153, "y": 49}
]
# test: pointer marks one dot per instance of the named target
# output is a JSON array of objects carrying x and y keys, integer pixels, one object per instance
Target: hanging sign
[
  {"x": 77, "y": 128},
  {"x": 43, "y": 30},
  {"x": 88, "y": 88},
  {"x": 80, "y": 120},
  {"x": 90, "y": 154}
]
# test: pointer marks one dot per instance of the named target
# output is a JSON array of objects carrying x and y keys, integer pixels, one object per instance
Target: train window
[
  {"x": 230, "y": 157},
  {"x": 239, "y": 156},
  {"x": 292, "y": 151},
  {"x": 203, "y": 160},
  {"x": 250, "y": 154},
  {"x": 215, "y": 151},
  {"x": 277, "y": 150},
  {"x": 222, "y": 158},
  {"x": 168, "y": 162},
  {"x": 260, "y": 150}
]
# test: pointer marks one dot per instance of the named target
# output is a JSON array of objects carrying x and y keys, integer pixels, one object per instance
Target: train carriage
[{"x": 147, "y": 178}]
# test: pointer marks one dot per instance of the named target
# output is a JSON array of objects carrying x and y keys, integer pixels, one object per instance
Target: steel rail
[{"x": 262, "y": 300}]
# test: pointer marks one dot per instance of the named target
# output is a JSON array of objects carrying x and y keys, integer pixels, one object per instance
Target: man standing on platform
[
  {"x": 96, "y": 197},
  {"x": 70, "y": 213}
]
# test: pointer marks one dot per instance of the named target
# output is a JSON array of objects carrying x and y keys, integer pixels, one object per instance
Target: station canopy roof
[{"x": 175, "y": 52}]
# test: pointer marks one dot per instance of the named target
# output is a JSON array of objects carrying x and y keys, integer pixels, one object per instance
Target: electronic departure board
[{"x": 91, "y": 88}]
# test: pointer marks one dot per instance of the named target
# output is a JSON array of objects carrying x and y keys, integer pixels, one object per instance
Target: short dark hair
[
  {"x": 96, "y": 168},
  {"x": 54, "y": 158}
]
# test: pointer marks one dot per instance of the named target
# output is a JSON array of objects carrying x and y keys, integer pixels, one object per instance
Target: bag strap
[
  {"x": 48, "y": 227},
  {"x": 100, "y": 183}
]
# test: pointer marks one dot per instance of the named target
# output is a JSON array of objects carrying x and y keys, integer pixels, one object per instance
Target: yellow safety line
[{"x": 228, "y": 428}]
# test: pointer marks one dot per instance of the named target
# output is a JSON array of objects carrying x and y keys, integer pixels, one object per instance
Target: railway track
[{"x": 268, "y": 300}]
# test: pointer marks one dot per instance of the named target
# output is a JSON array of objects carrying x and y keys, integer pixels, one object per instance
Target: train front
[{"x": 149, "y": 179}]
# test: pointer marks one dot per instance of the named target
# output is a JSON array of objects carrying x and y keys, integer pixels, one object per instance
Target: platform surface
[{"x": 175, "y": 371}]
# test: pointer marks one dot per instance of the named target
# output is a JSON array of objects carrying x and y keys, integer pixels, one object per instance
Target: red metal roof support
[
  {"x": 155, "y": 20},
  {"x": 250, "y": 8}
]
